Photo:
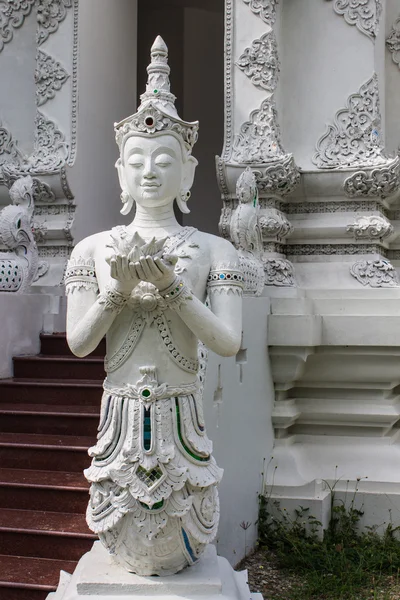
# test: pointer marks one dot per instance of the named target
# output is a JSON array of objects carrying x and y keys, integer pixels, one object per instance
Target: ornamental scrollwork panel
[
  {"x": 375, "y": 273},
  {"x": 12, "y": 16},
  {"x": 364, "y": 14},
  {"x": 50, "y": 13},
  {"x": 50, "y": 76},
  {"x": 278, "y": 272},
  {"x": 393, "y": 42},
  {"x": 380, "y": 182},
  {"x": 259, "y": 139},
  {"x": 371, "y": 227},
  {"x": 266, "y": 9},
  {"x": 261, "y": 63},
  {"x": 280, "y": 177},
  {"x": 355, "y": 137}
]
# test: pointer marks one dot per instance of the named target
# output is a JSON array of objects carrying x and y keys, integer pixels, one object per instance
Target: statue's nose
[{"x": 148, "y": 172}]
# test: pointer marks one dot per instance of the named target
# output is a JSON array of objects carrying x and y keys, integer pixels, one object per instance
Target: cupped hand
[
  {"x": 155, "y": 271},
  {"x": 123, "y": 273}
]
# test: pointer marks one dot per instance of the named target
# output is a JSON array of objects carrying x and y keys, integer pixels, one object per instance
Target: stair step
[
  {"x": 56, "y": 343},
  {"x": 44, "y": 534},
  {"x": 53, "y": 391},
  {"x": 46, "y": 452},
  {"x": 43, "y": 490},
  {"x": 45, "y": 418},
  {"x": 60, "y": 367},
  {"x": 23, "y": 578}
]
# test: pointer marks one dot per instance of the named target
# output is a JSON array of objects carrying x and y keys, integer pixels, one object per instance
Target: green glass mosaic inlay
[{"x": 190, "y": 452}]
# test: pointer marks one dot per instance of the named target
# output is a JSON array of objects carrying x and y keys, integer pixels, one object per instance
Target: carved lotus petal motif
[
  {"x": 261, "y": 63},
  {"x": 375, "y": 273},
  {"x": 50, "y": 76},
  {"x": 393, "y": 42},
  {"x": 50, "y": 13},
  {"x": 380, "y": 182},
  {"x": 355, "y": 138},
  {"x": 364, "y": 14},
  {"x": 12, "y": 16},
  {"x": 266, "y": 9}
]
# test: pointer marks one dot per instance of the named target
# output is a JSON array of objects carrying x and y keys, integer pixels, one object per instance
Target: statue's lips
[{"x": 150, "y": 185}]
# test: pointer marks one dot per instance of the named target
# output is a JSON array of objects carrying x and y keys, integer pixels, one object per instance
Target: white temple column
[
  {"x": 63, "y": 67},
  {"x": 333, "y": 333}
]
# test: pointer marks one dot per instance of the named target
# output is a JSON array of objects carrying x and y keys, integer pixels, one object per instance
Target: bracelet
[
  {"x": 176, "y": 294},
  {"x": 112, "y": 300}
]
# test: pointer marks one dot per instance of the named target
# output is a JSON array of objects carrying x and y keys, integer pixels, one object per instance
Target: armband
[
  {"x": 80, "y": 273},
  {"x": 226, "y": 280}
]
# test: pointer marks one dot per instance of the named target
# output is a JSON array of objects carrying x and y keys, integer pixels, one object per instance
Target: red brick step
[
  {"x": 23, "y": 578},
  {"x": 45, "y": 418},
  {"x": 43, "y": 490},
  {"x": 60, "y": 367},
  {"x": 56, "y": 343},
  {"x": 41, "y": 534},
  {"x": 48, "y": 452},
  {"x": 51, "y": 391}
]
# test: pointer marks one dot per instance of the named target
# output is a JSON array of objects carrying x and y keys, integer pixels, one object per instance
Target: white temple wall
[
  {"x": 21, "y": 323},
  {"x": 238, "y": 403}
]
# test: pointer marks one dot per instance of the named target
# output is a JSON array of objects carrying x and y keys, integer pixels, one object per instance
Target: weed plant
[{"x": 346, "y": 564}]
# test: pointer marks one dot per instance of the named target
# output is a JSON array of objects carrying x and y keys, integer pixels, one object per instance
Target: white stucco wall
[
  {"x": 22, "y": 321},
  {"x": 107, "y": 94},
  {"x": 238, "y": 419}
]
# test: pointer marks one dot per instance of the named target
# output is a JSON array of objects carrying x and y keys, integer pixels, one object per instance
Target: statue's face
[{"x": 152, "y": 169}]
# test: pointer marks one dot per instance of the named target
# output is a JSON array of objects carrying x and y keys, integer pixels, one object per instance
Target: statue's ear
[
  {"x": 189, "y": 169},
  {"x": 121, "y": 175},
  {"x": 127, "y": 201}
]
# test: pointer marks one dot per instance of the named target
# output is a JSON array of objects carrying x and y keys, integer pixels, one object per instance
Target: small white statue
[
  {"x": 20, "y": 265},
  {"x": 154, "y": 499}
]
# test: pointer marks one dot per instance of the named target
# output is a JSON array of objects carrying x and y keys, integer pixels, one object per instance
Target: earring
[
  {"x": 127, "y": 202},
  {"x": 182, "y": 200}
]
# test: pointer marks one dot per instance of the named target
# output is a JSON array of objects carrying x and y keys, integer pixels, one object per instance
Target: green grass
[{"x": 347, "y": 564}]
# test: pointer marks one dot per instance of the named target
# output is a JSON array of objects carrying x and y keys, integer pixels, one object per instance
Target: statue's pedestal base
[{"x": 98, "y": 577}]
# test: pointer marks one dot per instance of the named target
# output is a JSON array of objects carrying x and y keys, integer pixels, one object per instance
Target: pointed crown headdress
[{"x": 157, "y": 112}]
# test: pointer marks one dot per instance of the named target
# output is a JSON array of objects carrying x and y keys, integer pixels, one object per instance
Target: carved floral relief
[
  {"x": 375, "y": 273},
  {"x": 51, "y": 149},
  {"x": 8, "y": 147},
  {"x": 266, "y": 9},
  {"x": 279, "y": 272},
  {"x": 12, "y": 16},
  {"x": 50, "y": 13},
  {"x": 371, "y": 227},
  {"x": 364, "y": 14},
  {"x": 259, "y": 139},
  {"x": 355, "y": 137},
  {"x": 261, "y": 63},
  {"x": 382, "y": 181},
  {"x": 393, "y": 42},
  {"x": 50, "y": 76}
]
